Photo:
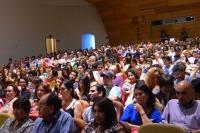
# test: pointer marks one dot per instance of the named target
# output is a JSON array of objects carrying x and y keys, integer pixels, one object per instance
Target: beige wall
[{"x": 25, "y": 23}]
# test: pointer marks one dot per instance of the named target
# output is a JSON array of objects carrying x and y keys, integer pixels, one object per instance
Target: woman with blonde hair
[
  {"x": 153, "y": 77},
  {"x": 153, "y": 80}
]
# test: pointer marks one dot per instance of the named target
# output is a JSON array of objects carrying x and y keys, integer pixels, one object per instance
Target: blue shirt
[
  {"x": 88, "y": 115},
  {"x": 62, "y": 123},
  {"x": 131, "y": 115},
  {"x": 25, "y": 94},
  {"x": 167, "y": 70}
]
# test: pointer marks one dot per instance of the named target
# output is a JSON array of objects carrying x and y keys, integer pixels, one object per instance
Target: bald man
[{"x": 185, "y": 110}]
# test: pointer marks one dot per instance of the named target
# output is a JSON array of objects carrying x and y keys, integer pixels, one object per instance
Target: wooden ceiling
[{"x": 130, "y": 20}]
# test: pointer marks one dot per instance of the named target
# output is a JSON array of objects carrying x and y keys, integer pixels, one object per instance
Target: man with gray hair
[{"x": 185, "y": 110}]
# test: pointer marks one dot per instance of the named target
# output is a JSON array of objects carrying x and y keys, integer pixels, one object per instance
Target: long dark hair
[
  {"x": 86, "y": 85},
  {"x": 140, "y": 85},
  {"x": 67, "y": 71},
  {"x": 91, "y": 75},
  {"x": 106, "y": 106},
  {"x": 69, "y": 85}
]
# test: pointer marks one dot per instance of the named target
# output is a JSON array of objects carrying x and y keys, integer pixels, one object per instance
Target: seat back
[
  {"x": 4, "y": 117},
  {"x": 160, "y": 128}
]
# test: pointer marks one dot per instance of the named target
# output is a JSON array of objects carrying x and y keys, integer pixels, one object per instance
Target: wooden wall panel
[
  {"x": 181, "y": 2},
  {"x": 130, "y": 20}
]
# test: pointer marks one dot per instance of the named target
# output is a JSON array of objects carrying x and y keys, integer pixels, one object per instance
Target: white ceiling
[{"x": 66, "y": 2}]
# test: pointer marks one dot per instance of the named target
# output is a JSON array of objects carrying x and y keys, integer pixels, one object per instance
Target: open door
[{"x": 51, "y": 45}]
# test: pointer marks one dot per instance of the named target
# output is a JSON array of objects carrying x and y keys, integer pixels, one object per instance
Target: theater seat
[
  {"x": 4, "y": 117},
  {"x": 160, "y": 128}
]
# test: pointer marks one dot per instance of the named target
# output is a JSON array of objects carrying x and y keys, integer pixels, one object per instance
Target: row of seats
[{"x": 146, "y": 128}]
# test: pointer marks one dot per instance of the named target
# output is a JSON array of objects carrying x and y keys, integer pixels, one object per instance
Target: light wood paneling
[{"x": 130, "y": 20}]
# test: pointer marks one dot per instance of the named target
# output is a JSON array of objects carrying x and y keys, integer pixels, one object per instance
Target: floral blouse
[{"x": 118, "y": 127}]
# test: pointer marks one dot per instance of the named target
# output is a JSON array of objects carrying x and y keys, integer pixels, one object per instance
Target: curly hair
[{"x": 150, "y": 79}]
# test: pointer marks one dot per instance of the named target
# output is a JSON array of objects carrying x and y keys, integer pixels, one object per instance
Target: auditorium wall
[
  {"x": 130, "y": 20},
  {"x": 25, "y": 23}
]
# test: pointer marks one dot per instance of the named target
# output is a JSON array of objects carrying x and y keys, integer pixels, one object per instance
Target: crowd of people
[{"x": 108, "y": 89}]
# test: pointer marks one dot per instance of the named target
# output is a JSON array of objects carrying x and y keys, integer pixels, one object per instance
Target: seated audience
[
  {"x": 143, "y": 111},
  {"x": 22, "y": 86},
  {"x": 167, "y": 65},
  {"x": 83, "y": 88},
  {"x": 52, "y": 119},
  {"x": 12, "y": 94},
  {"x": 129, "y": 85},
  {"x": 179, "y": 73},
  {"x": 196, "y": 71},
  {"x": 117, "y": 75},
  {"x": 162, "y": 65},
  {"x": 184, "y": 111},
  {"x": 21, "y": 123},
  {"x": 167, "y": 91},
  {"x": 153, "y": 78},
  {"x": 35, "y": 83},
  {"x": 105, "y": 119},
  {"x": 81, "y": 71},
  {"x": 70, "y": 101},
  {"x": 41, "y": 90},
  {"x": 195, "y": 84},
  {"x": 113, "y": 92},
  {"x": 96, "y": 91},
  {"x": 56, "y": 89}
]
